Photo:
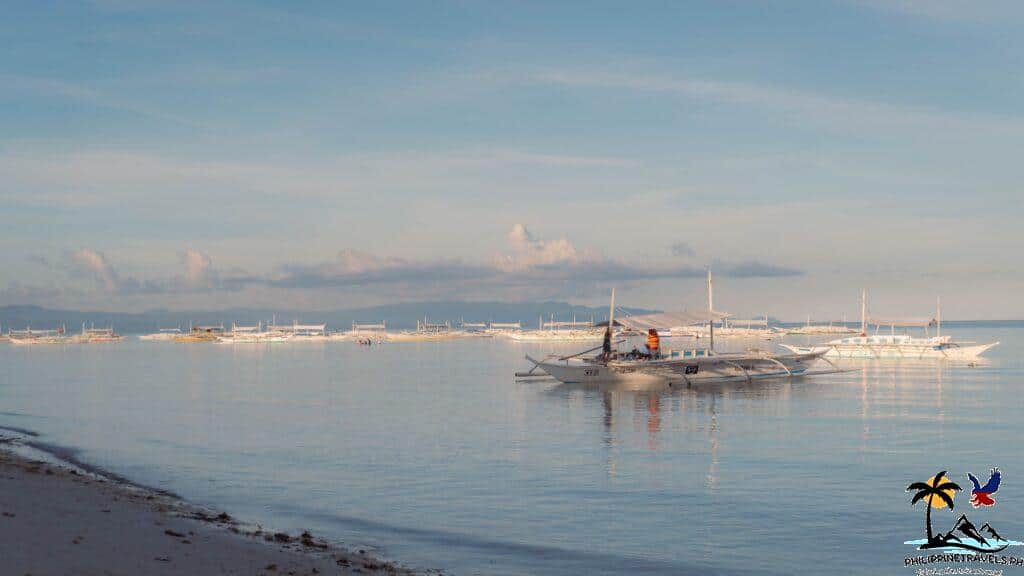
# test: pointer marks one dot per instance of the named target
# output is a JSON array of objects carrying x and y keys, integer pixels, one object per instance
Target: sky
[{"x": 321, "y": 155}]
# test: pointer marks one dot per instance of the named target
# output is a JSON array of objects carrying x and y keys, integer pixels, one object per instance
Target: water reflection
[
  {"x": 429, "y": 452},
  {"x": 663, "y": 417}
]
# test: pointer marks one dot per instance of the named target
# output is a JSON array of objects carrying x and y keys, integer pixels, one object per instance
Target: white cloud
[
  {"x": 198, "y": 267},
  {"x": 95, "y": 265},
  {"x": 528, "y": 251}
]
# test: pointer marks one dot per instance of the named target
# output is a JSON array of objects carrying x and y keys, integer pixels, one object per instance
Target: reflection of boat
[
  {"x": 95, "y": 336},
  {"x": 30, "y": 336},
  {"x": 162, "y": 334},
  {"x": 895, "y": 345},
  {"x": 670, "y": 366}
]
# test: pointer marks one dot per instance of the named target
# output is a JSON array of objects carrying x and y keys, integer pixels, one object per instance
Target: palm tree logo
[{"x": 937, "y": 492}]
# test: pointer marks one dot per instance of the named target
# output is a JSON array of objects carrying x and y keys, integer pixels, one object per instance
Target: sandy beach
[{"x": 57, "y": 520}]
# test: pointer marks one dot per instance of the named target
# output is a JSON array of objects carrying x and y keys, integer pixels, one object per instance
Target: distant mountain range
[{"x": 395, "y": 315}]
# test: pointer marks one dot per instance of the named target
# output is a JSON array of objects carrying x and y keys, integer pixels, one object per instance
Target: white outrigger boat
[
  {"x": 559, "y": 331},
  {"x": 363, "y": 332},
  {"x": 428, "y": 331},
  {"x": 682, "y": 367},
  {"x": 504, "y": 329},
  {"x": 819, "y": 329},
  {"x": 93, "y": 335},
  {"x": 897, "y": 346},
  {"x": 161, "y": 335},
  {"x": 252, "y": 335},
  {"x": 30, "y": 336},
  {"x": 296, "y": 332}
]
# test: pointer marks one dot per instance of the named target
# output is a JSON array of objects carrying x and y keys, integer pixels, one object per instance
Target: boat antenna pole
[
  {"x": 711, "y": 302},
  {"x": 711, "y": 312},
  {"x": 863, "y": 312}
]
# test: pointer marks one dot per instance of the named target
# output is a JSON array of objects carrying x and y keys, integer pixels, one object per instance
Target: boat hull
[
  {"x": 688, "y": 372},
  {"x": 896, "y": 352}
]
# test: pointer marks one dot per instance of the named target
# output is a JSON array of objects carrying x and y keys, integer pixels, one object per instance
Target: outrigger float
[{"x": 682, "y": 367}]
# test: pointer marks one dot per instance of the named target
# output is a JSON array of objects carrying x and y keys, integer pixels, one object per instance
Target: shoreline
[{"x": 59, "y": 515}]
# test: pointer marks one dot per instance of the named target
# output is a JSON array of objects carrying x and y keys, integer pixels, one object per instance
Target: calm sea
[{"x": 433, "y": 455}]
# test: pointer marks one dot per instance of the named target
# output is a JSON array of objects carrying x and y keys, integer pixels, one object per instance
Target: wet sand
[{"x": 57, "y": 520}]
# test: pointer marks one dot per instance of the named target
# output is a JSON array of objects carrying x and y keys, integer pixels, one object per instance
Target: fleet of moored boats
[
  {"x": 664, "y": 366},
  {"x": 687, "y": 365}
]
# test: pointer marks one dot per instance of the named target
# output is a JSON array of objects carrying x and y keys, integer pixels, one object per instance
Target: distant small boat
[
  {"x": 819, "y": 329},
  {"x": 374, "y": 332},
  {"x": 163, "y": 334},
  {"x": 475, "y": 329},
  {"x": 556, "y": 331},
  {"x": 504, "y": 329},
  {"x": 428, "y": 331},
  {"x": 30, "y": 336},
  {"x": 95, "y": 336},
  {"x": 896, "y": 346},
  {"x": 301, "y": 332},
  {"x": 252, "y": 335},
  {"x": 200, "y": 334}
]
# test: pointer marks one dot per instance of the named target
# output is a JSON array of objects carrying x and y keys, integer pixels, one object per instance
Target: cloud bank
[{"x": 530, "y": 267}]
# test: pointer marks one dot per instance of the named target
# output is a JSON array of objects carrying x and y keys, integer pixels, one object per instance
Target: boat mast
[
  {"x": 711, "y": 313},
  {"x": 938, "y": 316},
  {"x": 611, "y": 311},
  {"x": 711, "y": 301},
  {"x": 863, "y": 312}
]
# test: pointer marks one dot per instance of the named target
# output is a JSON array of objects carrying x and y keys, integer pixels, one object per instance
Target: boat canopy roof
[
  {"x": 750, "y": 322},
  {"x": 505, "y": 325},
  {"x": 667, "y": 320},
  {"x": 901, "y": 321}
]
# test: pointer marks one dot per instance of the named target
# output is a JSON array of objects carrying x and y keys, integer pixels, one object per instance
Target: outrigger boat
[
  {"x": 363, "y": 332},
  {"x": 93, "y": 335},
  {"x": 682, "y": 367},
  {"x": 30, "y": 336},
  {"x": 558, "y": 331},
  {"x": 200, "y": 334},
  {"x": 162, "y": 334},
  {"x": 897, "y": 346}
]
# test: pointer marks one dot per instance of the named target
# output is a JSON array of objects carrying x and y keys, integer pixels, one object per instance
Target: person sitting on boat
[{"x": 653, "y": 343}]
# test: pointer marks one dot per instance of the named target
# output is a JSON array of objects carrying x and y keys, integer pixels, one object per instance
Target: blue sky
[{"x": 321, "y": 155}]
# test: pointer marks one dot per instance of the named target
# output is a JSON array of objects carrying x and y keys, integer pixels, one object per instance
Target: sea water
[{"x": 432, "y": 454}]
